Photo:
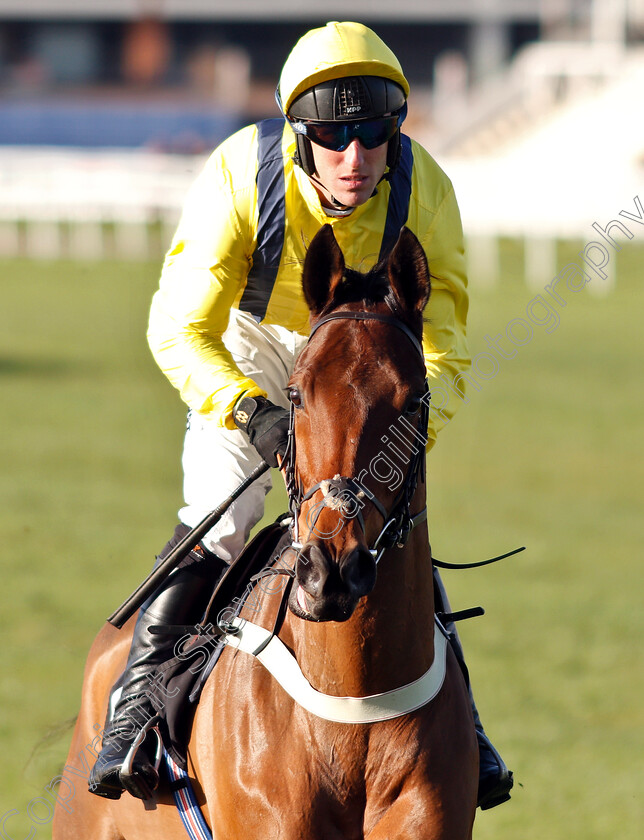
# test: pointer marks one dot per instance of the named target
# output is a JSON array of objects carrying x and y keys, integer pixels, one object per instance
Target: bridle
[{"x": 347, "y": 494}]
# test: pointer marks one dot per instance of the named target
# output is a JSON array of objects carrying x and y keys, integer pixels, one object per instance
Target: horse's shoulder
[{"x": 109, "y": 648}]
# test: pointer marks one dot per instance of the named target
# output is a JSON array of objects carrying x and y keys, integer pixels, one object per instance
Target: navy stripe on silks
[
  {"x": 398, "y": 208},
  {"x": 271, "y": 221}
]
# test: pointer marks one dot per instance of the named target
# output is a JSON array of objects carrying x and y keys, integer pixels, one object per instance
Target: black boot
[
  {"x": 182, "y": 599},
  {"x": 495, "y": 780}
]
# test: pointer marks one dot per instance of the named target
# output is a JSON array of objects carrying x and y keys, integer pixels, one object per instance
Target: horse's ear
[
  {"x": 323, "y": 269},
  {"x": 409, "y": 273}
]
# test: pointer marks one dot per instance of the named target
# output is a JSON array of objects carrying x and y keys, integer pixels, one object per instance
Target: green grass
[{"x": 547, "y": 454}]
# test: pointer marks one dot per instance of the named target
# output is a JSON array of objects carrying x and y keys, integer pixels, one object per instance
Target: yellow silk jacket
[{"x": 207, "y": 269}]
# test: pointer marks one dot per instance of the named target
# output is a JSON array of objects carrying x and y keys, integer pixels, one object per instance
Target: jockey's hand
[{"x": 265, "y": 424}]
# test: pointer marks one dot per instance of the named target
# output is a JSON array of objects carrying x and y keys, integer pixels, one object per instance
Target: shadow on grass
[{"x": 36, "y": 368}]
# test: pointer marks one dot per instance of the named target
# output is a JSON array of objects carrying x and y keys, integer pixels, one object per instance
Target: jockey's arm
[
  {"x": 444, "y": 335},
  {"x": 203, "y": 271}
]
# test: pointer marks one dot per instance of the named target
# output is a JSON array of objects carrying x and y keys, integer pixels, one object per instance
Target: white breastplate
[{"x": 281, "y": 663}]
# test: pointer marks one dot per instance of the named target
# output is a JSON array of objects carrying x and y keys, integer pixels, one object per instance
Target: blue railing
[{"x": 170, "y": 128}]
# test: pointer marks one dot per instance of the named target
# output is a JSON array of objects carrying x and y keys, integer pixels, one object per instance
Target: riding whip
[{"x": 181, "y": 550}]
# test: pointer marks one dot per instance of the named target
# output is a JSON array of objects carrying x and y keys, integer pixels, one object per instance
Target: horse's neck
[{"x": 388, "y": 642}]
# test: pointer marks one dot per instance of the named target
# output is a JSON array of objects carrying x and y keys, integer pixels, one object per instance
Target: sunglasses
[{"x": 338, "y": 135}]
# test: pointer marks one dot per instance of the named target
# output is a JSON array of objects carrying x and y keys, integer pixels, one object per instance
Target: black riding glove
[{"x": 265, "y": 424}]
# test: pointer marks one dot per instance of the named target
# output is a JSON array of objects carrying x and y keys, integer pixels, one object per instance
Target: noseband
[{"x": 347, "y": 494}]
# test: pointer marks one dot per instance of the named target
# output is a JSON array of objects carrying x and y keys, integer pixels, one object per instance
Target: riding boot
[
  {"x": 495, "y": 780},
  {"x": 181, "y": 599}
]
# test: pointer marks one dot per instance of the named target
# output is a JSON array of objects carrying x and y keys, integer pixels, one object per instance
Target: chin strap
[{"x": 338, "y": 205}]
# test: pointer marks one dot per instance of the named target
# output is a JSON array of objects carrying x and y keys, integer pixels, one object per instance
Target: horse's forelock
[{"x": 368, "y": 288}]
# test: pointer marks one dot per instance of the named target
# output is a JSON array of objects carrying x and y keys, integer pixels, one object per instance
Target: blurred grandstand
[{"x": 533, "y": 107}]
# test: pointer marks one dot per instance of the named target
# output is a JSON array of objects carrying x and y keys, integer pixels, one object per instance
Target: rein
[
  {"x": 443, "y": 565},
  {"x": 346, "y": 493}
]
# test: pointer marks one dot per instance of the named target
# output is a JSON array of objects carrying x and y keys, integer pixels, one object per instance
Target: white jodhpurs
[{"x": 215, "y": 459}]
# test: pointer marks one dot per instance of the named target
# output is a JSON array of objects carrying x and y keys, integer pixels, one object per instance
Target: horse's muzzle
[{"x": 328, "y": 588}]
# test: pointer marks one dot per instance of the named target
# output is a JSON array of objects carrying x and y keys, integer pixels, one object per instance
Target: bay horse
[{"x": 263, "y": 765}]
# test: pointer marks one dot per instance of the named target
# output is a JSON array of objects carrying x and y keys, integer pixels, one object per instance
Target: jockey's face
[{"x": 349, "y": 176}]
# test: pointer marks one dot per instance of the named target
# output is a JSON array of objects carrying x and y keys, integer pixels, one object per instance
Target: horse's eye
[
  {"x": 413, "y": 405},
  {"x": 295, "y": 397}
]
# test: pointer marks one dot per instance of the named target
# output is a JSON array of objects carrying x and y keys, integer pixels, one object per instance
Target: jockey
[{"x": 229, "y": 320}]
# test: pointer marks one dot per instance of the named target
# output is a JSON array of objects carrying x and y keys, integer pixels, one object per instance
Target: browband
[{"x": 369, "y": 316}]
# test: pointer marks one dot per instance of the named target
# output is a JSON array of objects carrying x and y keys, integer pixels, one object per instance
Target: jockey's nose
[{"x": 354, "y": 153}]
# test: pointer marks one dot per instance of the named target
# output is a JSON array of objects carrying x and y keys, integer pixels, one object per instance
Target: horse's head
[{"x": 357, "y": 395}]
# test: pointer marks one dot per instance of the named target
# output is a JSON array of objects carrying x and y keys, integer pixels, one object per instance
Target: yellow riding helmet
[
  {"x": 342, "y": 71},
  {"x": 333, "y": 52}
]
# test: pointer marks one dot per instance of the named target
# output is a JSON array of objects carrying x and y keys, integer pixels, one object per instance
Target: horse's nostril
[
  {"x": 358, "y": 571},
  {"x": 310, "y": 581},
  {"x": 333, "y": 586},
  {"x": 312, "y": 570}
]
